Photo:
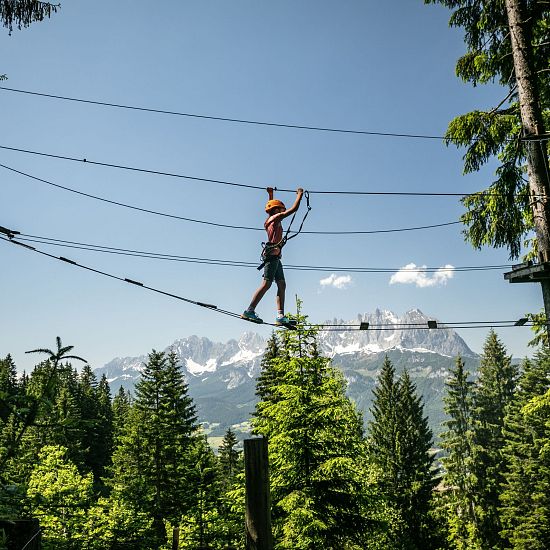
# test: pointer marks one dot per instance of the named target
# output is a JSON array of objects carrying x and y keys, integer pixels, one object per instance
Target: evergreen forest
[{"x": 101, "y": 471}]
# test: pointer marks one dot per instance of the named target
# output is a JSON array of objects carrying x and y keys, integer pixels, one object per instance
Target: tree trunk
[{"x": 533, "y": 126}]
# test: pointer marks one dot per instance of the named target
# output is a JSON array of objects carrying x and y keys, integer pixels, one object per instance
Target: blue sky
[{"x": 378, "y": 66}]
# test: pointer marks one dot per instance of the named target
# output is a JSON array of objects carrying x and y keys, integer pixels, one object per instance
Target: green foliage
[
  {"x": 231, "y": 460},
  {"x": 400, "y": 444},
  {"x": 458, "y": 497},
  {"x": 322, "y": 489},
  {"x": 151, "y": 465},
  {"x": 60, "y": 497},
  {"x": 114, "y": 524},
  {"x": 501, "y": 216},
  {"x": 540, "y": 329},
  {"x": 525, "y": 498},
  {"x": 493, "y": 393}
]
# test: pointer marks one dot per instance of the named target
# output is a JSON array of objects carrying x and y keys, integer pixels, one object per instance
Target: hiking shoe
[
  {"x": 251, "y": 316},
  {"x": 284, "y": 320}
]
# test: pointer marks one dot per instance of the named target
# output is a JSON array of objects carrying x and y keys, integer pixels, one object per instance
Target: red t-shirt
[{"x": 274, "y": 231}]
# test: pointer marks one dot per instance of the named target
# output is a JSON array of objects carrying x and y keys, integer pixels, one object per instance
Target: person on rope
[{"x": 271, "y": 256}]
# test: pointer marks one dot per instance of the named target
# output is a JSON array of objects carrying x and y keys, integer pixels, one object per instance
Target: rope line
[
  {"x": 237, "y": 263},
  {"x": 238, "y": 120},
  {"x": 244, "y": 185},
  {"x": 320, "y": 327},
  {"x": 216, "y": 224},
  {"x": 219, "y": 118}
]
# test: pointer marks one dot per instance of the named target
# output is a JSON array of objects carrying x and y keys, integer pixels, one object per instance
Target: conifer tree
[
  {"x": 9, "y": 388},
  {"x": 319, "y": 480},
  {"x": 10, "y": 403},
  {"x": 525, "y": 498},
  {"x": 494, "y": 391},
  {"x": 120, "y": 410},
  {"x": 230, "y": 458},
  {"x": 150, "y": 464},
  {"x": 200, "y": 526},
  {"x": 97, "y": 423},
  {"x": 267, "y": 376},
  {"x": 400, "y": 442},
  {"x": 418, "y": 477},
  {"x": 231, "y": 466},
  {"x": 457, "y": 444},
  {"x": 22, "y": 13}
]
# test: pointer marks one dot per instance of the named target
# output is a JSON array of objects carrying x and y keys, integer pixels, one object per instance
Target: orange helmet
[{"x": 273, "y": 203}]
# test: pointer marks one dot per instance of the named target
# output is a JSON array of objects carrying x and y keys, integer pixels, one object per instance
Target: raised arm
[{"x": 292, "y": 209}]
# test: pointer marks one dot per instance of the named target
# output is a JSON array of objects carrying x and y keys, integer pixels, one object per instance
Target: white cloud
[
  {"x": 341, "y": 282},
  {"x": 413, "y": 274}
]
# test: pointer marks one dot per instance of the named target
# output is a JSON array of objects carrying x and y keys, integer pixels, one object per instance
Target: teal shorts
[{"x": 273, "y": 270}]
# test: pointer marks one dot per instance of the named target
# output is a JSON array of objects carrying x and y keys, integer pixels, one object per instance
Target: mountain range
[{"x": 221, "y": 376}]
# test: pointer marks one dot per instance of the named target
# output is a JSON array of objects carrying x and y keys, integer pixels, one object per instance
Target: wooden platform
[{"x": 529, "y": 272}]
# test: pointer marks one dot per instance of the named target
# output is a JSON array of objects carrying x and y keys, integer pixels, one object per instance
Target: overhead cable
[
  {"x": 430, "y": 325},
  {"x": 236, "y": 263},
  {"x": 216, "y": 224},
  {"x": 222, "y": 119},
  {"x": 233, "y": 120},
  {"x": 161, "y": 256},
  {"x": 245, "y": 185}
]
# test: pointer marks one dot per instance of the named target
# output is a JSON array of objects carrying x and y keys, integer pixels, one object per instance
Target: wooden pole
[
  {"x": 258, "y": 502},
  {"x": 175, "y": 538}
]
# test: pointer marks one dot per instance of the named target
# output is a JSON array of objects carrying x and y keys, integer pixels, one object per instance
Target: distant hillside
[{"x": 221, "y": 376}]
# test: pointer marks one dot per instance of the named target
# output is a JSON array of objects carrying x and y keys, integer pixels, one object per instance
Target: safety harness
[{"x": 267, "y": 247}]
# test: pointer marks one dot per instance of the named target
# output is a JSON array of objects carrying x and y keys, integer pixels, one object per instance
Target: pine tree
[
  {"x": 457, "y": 444},
  {"x": 230, "y": 458},
  {"x": 201, "y": 524},
  {"x": 400, "y": 442},
  {"x": 120, "y": 411},
  {"x": 320, "y": 484},
  {"x": 494, "y": 391},
  {"x": 525, "y": 498},
  {"x": 97, "y": 422},
  {"x": 267, "y": 377},
  {"x": 504, "y": 216},
  {"x": 9, "y": 388},
  {"x": 384, "y": 428},
  {"x": 22, "y": 13},
  {"x": 416, "y": 453},
  {"x": 231, "y": 466},
  {"x": 150, "y": 464}
]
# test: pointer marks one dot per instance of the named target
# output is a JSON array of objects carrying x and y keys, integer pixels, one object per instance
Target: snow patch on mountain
[
  {"x": 237, "y": 362},
  {"x": 243, "y": 355},
  {"x": 196, "y": 369}
]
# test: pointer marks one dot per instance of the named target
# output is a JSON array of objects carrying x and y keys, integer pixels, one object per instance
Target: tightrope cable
[{"x": 430, "y": 325}]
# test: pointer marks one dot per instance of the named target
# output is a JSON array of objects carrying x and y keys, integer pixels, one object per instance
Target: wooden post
[
  {"x": 258, "y": 502},
  {"x": 175, "y": 538}
]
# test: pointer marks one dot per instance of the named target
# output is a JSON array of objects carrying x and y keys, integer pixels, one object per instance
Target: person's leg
[
  {"x": 259, "y": 294},
  {"x": 281, "y": 287}
]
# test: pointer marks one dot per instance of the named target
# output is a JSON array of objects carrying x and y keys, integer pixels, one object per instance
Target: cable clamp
[
  {"x": 8, "y": 232},
  {"x": 67, "y": 260},
  {"x": 133, "y": 282},
  {"x": 210, "y": 306}
]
